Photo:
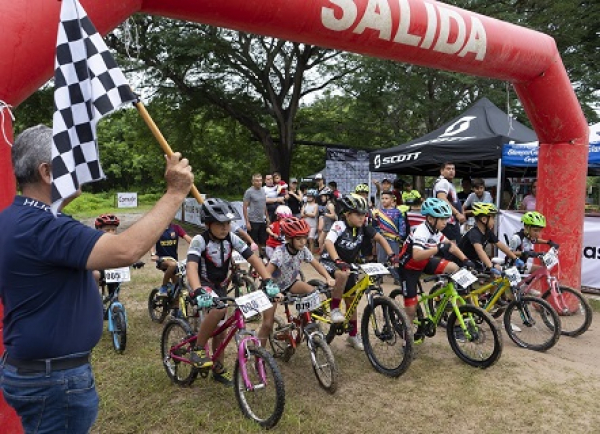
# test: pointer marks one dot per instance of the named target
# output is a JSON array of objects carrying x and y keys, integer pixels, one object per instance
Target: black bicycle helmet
[
  {"x": 353, "y": 202},
  {"x": 218, "y": 210}
]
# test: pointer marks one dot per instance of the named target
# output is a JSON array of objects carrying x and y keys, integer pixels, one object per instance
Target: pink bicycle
[
  {"x": 573, "y": 309},
  {"x": 258, "y": 384}
]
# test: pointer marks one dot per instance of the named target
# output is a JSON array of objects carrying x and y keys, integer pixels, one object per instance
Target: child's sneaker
[
  {"x": 199, "y": 359},
  {"x": 164, "y": 290},
  {"x": 355, "y": 342},
  {"x": 223, "y": 377},
  {"x": 337, "y": 317}
]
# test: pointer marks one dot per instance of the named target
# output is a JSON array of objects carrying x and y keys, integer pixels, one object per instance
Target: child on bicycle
[
  {"x": 285, "y": 267},
  {"x": 275, "y": 238},
  {"x": 106, "y": 223},
  {"x": 166, "y": 255},
  {"x": 474, "y": 242},
  {"x": 342, "y": 247},
  {"x": 526, "y": 238},
  {"x": 208, "y": 262},
  {"x": 424, "y": 250}
]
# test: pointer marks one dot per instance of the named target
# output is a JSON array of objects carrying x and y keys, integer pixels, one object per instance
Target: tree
[{"x": 257, "y": 81}]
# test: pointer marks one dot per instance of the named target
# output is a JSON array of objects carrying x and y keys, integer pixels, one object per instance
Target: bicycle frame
[
  {"x": 501, "y": 285},
  {"x": 237, "y": 328},
  {"x": 357, "y": 291},
  {"x": 110, "y": 303},
  {"x": 452, "y": 297}
]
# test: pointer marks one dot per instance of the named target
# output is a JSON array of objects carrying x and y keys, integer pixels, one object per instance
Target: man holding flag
[{"x": 52, "y": 311}]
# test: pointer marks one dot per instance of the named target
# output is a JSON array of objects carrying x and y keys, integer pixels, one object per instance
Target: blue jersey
[{"x": 51, "y": 302}]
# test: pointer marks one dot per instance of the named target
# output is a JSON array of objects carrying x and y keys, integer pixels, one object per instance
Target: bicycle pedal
[{"x": 204, "y": 372}]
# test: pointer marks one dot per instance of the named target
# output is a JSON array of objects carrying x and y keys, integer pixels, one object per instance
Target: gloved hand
[
  {"x": 271, "y": 288},
  {"x": 495, "y": 271},
  {"x": 392, "y": 260},
  {"x": 519, "y": 263},
  {"x": 468, "y": 264},
  {"x": 341, "y": 265},
  {"x": 444, "y": 248},
  {"x": 203, "y": 298},
  {"x": 553, "y": 244}
]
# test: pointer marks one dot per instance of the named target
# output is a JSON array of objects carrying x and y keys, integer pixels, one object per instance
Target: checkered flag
[{"x": 88, "y": 85}]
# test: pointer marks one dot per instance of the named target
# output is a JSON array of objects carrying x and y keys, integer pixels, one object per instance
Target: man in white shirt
[{"x": 444, "y": 189}]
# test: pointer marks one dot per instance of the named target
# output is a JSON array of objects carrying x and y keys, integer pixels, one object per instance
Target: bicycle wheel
[
  {"x": 157, "y": 308},
  {"x": 264, "y": 400},
  {"x": 484, "y": 346},
  {"x": 175, "y": 332},
  {"x": 387, "y": 337},
  {"x": 532, "y": 323},
  {"x": 279, "y": 340},
  {"x": 573, "y": 309},
  {"x": 323, "y": 363},
  {"x": 119, "y": 333}
]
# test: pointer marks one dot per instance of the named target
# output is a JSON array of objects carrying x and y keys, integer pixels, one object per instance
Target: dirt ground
[{"x": 525, "y": 391}]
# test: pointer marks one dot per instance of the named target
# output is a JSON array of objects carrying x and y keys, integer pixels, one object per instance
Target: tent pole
[{"x": 499, "y": 186}]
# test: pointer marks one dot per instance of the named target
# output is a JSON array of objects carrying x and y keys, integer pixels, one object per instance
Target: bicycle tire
[
  {"x": 390, "y": 331},
  {"x": 281, "y": 348},
  {"x": 157, "y": 308},
  {"x": 323, "y": 364},
  {"x": 475, "y": 318},
  {"x": 257, "y": 357},
  {"x": 569, "y": 309},
  {"x": 174, "y": 332},
  {"x": 119, "y": 333},
  {"x": 534, "y": 317}
]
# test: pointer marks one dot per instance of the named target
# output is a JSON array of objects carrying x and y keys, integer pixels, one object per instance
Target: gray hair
[{"x": 31, "y": 148}]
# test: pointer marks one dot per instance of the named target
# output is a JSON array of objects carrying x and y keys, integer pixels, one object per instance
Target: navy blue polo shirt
[
  {"x": 169, "y": 240},
  {"x": 51, "y": 302}
]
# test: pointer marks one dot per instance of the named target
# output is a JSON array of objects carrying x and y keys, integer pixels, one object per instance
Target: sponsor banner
[
  {"x": 349, "y": 167},
  {"x": 509, "y": 222},
  {"x": 127, "y": 200},
  {"x": 526, "y": 154}
]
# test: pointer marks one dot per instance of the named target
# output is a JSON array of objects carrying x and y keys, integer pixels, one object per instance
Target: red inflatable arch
[{"x": 415, "y": 31}]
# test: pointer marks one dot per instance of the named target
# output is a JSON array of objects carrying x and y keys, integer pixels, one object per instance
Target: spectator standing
[
  {"x": 384, "y": 185},
  {"x": 310, "y": 212},
  {"x": 295, "y": 199},
  {"x": 444, "y": 189},
  {"x": 478, "y": 195},
  {"x": 529, "y": 201},
  {"x": 390, "y": 223},
  {"x": 467, "y": 187},
  {"x": 282, "y": 186},
  {"x": 327, "y": 215},
  {"x": 320, "y": 182},
  {"x": 334, "y": 189},
  {"x": 272, "y": 196},
  {"x": 410, "y": 194},
  {"x": 255, "y": 211},
  {"x": 52, "y": 310}
]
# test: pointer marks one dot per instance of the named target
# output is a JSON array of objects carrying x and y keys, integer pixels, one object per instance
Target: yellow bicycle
[{"x": 386, "y": 331}]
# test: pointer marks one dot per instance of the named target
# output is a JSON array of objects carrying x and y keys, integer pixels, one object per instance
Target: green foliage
[{"x": 93, "y": 204}]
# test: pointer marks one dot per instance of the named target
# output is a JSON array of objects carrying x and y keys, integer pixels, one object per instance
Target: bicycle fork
[
  {"x": 114, "y": 307},
  {"x": 243, "y": 356}
]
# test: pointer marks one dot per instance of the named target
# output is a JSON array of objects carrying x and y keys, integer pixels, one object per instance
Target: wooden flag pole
[{"x": 161, "y": 141}]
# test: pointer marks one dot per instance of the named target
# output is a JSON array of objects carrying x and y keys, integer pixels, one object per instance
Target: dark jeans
[{"x": 58, "y": 402}]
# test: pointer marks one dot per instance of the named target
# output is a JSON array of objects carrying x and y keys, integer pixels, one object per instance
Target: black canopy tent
[{"x": 473, "y": 141}]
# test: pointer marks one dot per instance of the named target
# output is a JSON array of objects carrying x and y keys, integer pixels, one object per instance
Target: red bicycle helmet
[
  {"x": 294, "y": 227},
  {"x": 107, "y": 220}
]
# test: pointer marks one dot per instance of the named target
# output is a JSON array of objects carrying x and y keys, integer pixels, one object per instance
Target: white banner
[
  {"x": 509, "y": 222},
  {"x": 127, "y": 200}
]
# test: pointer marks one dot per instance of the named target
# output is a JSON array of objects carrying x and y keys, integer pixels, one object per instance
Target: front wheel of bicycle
[
  {"x": 573, "y": 309},
  {"x": 157, "y": 307},
  {"x": 479, "y": 344},
  {"x": 119, "y": 332},
  {"x": 263, "y": 400},
  {"x": 323, "y": 363},
  {"x": 279, "y": 339},
  {"x": 532, "y": 323},
  {"x": 387, "y": 337},
  {"x": 181, "y": 372}
]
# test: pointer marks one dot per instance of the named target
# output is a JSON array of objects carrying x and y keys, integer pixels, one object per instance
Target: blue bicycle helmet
[{"x": 435, "y": 207}]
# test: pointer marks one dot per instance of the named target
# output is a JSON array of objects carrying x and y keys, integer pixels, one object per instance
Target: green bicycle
[
  {"x": 471, "y": 331},
  {"x": 387, "y": 335}
]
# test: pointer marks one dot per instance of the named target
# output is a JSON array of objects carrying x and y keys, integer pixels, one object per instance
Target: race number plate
[
  {"x": 238, "y": 258},
  {"x": 117, "y": 275},
  {"x": 308, "y": 303},
  {"x": 464, "y": 278},
  {"x": 253, "y": 303},
  {"x": 374, "y": 269},
  {"x": 550, "y": 259},
  {"x": 513, "y": 275}
]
